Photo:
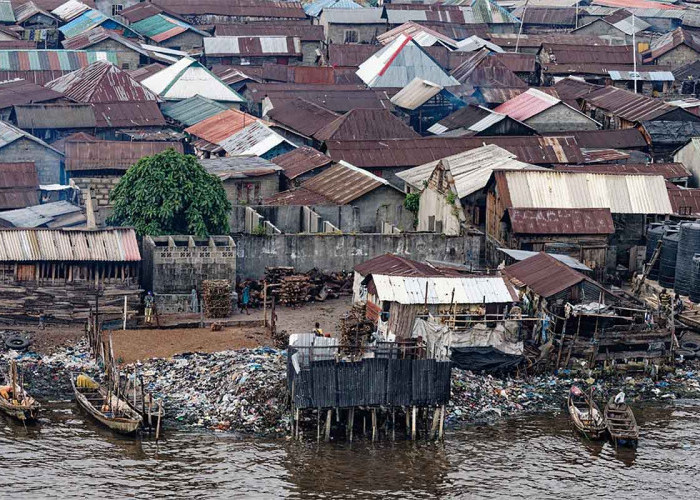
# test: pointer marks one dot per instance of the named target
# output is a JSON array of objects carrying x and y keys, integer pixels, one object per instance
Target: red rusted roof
[
  {"x": 76, "y": 137},
  {"x": 128, "y": 114},
  {"x": 359, "y": 124},
  {"x": 628, "y": 138},
  {"x": 499, "y": 95},
  {"x": 548, "y": 16},
  {"x": 570, "y": 89},
  {"x": 112, "y": 155},
  {"x": 544, "y": 274},
  {"x": 301, "y": 116},
  {"x": 562, "y": 221},
  {"x": 667, "y": 170},
  {"x": 145, "y": 71},
  {"x": 221, "y": 126},
  {"x": 238, "y": 8},
  {"x": 301, "y": 160},
  {"x": 670, "y": 41},
  {"x": 528, "y": 104},
  {"x": 685, "y": 201},
  {"x": 19, "y": 185},
  {"x": 484, "y": 70},
  {"x": 305, "y": 32},
  {"x": 518, "y": 63},
  {"x": 350, "y": 54},
  {"x": 391, "y": 264},
  {"x": 23, "y": 92},
  {"x": 628, "y": 105}
]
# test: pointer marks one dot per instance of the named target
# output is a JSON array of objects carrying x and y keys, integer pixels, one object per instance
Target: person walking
[{"x": 245, "y": 298}]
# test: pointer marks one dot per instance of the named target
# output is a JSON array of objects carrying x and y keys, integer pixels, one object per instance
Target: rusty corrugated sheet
[
  {"x": 628, "y": 105},
  {"x": 301, "y": 160},
  {"x": 563, "y": 221},
  {"x": 305, "y": 32},
  {"x": 685, "y": 201},
  {"x": 33, "y": 245},
  {"x": 547, "y": 16},
  {"x": 19, "y": 185},
  {"x": 667, "y": 170},
  {"x": 109, "y": 155},
  {"x": 391, "y": 264},
  {"x": 238, "y": 8},
  {"x": 24, "y": 92},
  {"x": 128, "y": 114},
  {"x": 629, "y": 138},
  {"x": 544, "y": 274},
  {"x": 485, "y": 70},
  {"x": 221, "y": 126},
  {"x": 301, "y": 116},
  {"x": 359, "y": 124}
]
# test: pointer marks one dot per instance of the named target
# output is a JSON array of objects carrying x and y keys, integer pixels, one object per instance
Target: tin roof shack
[
  {"x": 674, "y": 49},
  {"x": 18, "y": 92},
  {"x": 167, "y": 31},
  {"x": 253, "y": 50},
  {"x": 17, "y": 146},
  {"x": 546, "y": 113},
  {"x": 546, "y": 19},
  {"x": 590, "y": 62},
  {"x": 631, "y": 199},
  {"x": 233, "y": 11},
  {"x": 617, "y": 28},
  {"x": 394, "y": 302},
  {"x": 96, "y": 167},
  {"x": 59, "y": 273},
  {"x": 618, "y": 109},
  {"x": 352, "y": 25},
  {"x": 19, "y": 185},
  {"x": 248, "y": 180},
  {"x": 301, "y": 164},
  {"x": 665, "y": 137},
  {"x": 425, "y": 103},
  {"x": 298, "y": 119},
  {"x": 580, "y": 233},
  {"x": 129, "y": 53},
  {"x": 173, "y": 265},
  {"x": 647, "y": 82},
  {"x": 375, "y": 201},
  {"x": 473, "y": 120},
  {"x": 451, "y": 189}
]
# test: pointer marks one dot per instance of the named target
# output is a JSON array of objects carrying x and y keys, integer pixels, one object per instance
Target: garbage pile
[{"x": 243, "y": 390}]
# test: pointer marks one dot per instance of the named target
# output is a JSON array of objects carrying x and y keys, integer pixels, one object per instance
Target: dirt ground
[{"x": 45, "y": 341}]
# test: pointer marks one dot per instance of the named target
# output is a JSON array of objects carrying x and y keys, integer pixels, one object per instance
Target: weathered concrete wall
[
  {"x": 331, "y": 252},
  {"x": 127, "y": 59},
  {"x": 366, "y": 33},
  {"x": 49, "y": 164},
  {"x": 288, "y": 218},
  {"x": 308, "y": 51},
  {"x": 561, "y": 118},
  {"x": 184, "y": 41},
  {"x": 252, "y": 190},
  {"x": 678, "y": 57},
  {"x": 688, "y": 156},
  {"x": 105, "y": 6}
]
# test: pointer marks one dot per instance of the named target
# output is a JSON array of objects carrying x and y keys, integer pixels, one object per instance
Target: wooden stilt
[
  {"x": 434, "y": 427},
  {"x": 318, "y": 425},
  {"x": 160, "y": 414},
  {"x": 351, "y": 421},
  {"x": 408, "y": 421},
  {"x": 364, "y": 425},
  {"x": 413, "y": 424},
  {"x": 329, "y": 417},
  {"x": 442, "y": 422},
  {"x": 374, "y": 424},
  {"x": 393, "y": 424},
  {"x": 298, "y": 434}
]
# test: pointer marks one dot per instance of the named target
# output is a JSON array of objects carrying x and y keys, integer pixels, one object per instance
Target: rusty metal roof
[
  {"x": 300, "y": 161},
  {"x": 222, "y": 125},
  {"x": 298, "y": 196},
  {"x": 19, "y": 185},
  {"x": 140, "y": 11},
  {"x": 499, "y": 95},
  {"x": 509, "y": 41},
  {"x": 517, "y": 63},
  {"x": 667, "y": 170},
  {"x": 301, "y": 116},
  {"x": 424, "y": 36},
  {"x": 112, "y": 155},
  {"x": 54, "y": 116},
  {"x": 544, "y": 274},
  {"x": 391, "y": 264},
  {"x": 252, "y": 46},
  {"x": 102, "y": 82},
  {"x": 23, "y": 92},
  {"x": 628, "y": 105},
  {"x": 547, "y": 16},
  {"x": 570, "y": 89},
  {"x": 359, "y": 124},
  {"x": 128, "y": 114},
  {"x": 239, "y": 167},
  {"x": 670, "y": 41},
  {"x": 604, "y": 155},
  {"x": 33, "y": 245},
  {"x": 685, "y": 201},
  {"x": 414, "y": 152},
  {"x": 563, "y": 53},
  {"x": 305, "y": 32},
  {"x": 340, "y": 54},
  {"x": 528, "y": 104},
  {"x": 483, "y": 69},
  {"x": 238, "y": 8},
  {"x": 628, "y": 138},
  {"x": 564, "y": 221}
]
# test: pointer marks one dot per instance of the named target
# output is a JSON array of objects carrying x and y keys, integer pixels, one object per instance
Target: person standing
[
  {"x": 148, "y": 309},
  {"x": 194, "y": 300},
  {"x": 245, "y": 297}
]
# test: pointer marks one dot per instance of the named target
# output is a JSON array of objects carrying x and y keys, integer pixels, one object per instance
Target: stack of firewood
[
  {"x": 217, "y": 298},
  {"x": 355, "y": 328},
  {"x": 295, "y": 290}
]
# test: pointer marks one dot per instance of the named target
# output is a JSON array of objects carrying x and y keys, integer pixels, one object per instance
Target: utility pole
[
  {"x": 634, "y": 56},
  {"x": 522, "y": 20}
]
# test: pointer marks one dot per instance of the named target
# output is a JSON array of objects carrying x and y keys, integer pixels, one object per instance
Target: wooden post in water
[
  {"x": 160, "y": 414},
  {"x": 124, "y": 322},
  {"x": 318, "y": 425},
  {"x": 393, "y": 424},
  {"x": 351, "y": 422},
  {"x": 434, "y": 427},
  {"x": 329, "y": 417},
  {"x": 374, "y": 424},
  {"x": 442, "y": 422},
  {"x": 413, "y": 424}
]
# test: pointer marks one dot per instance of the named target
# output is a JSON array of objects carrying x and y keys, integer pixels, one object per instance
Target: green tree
[{"x": 170, "y": 193}]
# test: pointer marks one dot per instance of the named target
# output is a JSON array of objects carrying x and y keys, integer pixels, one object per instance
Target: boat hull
[{"x": 122, "y": 425}]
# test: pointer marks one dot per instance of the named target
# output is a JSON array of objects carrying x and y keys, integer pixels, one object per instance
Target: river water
[{"x": 67, "y": 456}]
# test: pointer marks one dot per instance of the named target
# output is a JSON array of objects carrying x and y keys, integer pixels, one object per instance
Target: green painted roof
[
  {"x": 192, "y": 110},
  {"x": 159, "y": 25},
  {"x": 7, "y": 15}
]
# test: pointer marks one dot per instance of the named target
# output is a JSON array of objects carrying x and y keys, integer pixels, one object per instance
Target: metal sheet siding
[{"x": 467, "y": 290}]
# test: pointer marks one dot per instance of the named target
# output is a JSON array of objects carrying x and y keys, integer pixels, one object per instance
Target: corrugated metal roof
[
  {"x": 28, "y": 9},
  {"x": 425, "y": 37},
  {"x": 301, "y": 116},
  {"x": 672, "y": 133},
  {"x": 102, "y": 82},
  {"x": 564, "y": 259},
  {"x": 667, "y": 170},
  {"x": 563, "y": 221},
  {"x": 19, "y": 185},
  {"x": 528, "y": 104},
  {"x": 255, "y": 139},
  {"x": 128, "y": 114},
  {"x": 472, "y": 120},
  {"x": 470, "y": 170},
  {"x": 238, "y": 8},
  {"x": 359, "y": 124},
  {"x": 623, "y": 194},
  {"x": 252, "y": 46},
  {"x": 301, "y": 160},
  {"x": 628, "y": 138},
  {"x": 637, "y": 4},
  {"x": 547, "y": 16},
  {"x": 162, "y": 27},
  {"x": 221, "y": 126},
  {"x": 112, "y": 155},
  {"x": 107, "y": 245},
  {"x": 391, "y": 264},
  {"x": 193, "y": 110},
  {"x": 99, "y": 34},
  {"x": 305, "y": 32},
  {"x": 354, "y": 16},
  {"x": 670, "y": 41},
  {"x": 36, "y": 215},
  {"x": 494, "y": 95},
  {"x": 474, "y": 43},
  {"x": 685, "y": 201},
  {"x": 315, "y": 8},
  {"x": 544, "y": 274},
  {"x": 416, "y": 93},
  {"x": 187, "y": 78},
  {"x": 88, "y": 20},
  {"x": 23, "y": 92},
  {"x": 144, "y": 72},
  {"x": 483, "y": 69},
  {"x": 70, "y": 10},
  {"x": 400, "y": 62},
  {"x": 603, "y": 155},
  {"x": 467, "y": 290},
  {"x": 54, "y": 116},
  {"x": 7, "y": 15},
  {"x": 239, "y": 167},
  {"x": 628, "y": 105},
  {"x": 51, "y": 60},
  {"x": 10, "y": 133}
]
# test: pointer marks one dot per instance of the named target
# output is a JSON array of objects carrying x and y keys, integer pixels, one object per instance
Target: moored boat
[
  {"x": 15, "y": 401},
  {"x": 585, "y": 414},
  {"x": 104, "y": 406},
  {"x": 621, "y": 423}
]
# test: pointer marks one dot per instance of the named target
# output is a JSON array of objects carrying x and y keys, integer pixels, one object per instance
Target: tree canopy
[{"x": 170, "y": 193}]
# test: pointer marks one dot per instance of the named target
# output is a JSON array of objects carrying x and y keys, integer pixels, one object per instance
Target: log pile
[
  {"x": 355, "y": 329},
  {"x": 295, "y": 290},
  {"x": 217, "y": 298},
  {"x": 66, "y": 301}
]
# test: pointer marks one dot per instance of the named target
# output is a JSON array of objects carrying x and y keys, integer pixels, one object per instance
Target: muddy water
[{"x": 66, "y": 456}]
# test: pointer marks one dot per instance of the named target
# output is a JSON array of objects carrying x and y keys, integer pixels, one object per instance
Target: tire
[
  {"x": 685, "y": 353},
  {"x": 17, "y": 342},
  {"x": 690, "y": 346}
]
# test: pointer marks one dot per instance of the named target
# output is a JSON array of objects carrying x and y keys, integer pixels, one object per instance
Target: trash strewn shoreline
[{"x": 245, "y": 390}]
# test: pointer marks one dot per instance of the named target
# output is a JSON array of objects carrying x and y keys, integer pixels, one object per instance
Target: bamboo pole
[{"x": 160, "y": 414}]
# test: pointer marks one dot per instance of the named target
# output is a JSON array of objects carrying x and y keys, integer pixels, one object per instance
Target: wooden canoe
[
  {"x": 585, "y": 414},
  {"x": 24, "y": 408},
  {"x": 122, "y": 418},
  {"x": 621, "y": 424}
]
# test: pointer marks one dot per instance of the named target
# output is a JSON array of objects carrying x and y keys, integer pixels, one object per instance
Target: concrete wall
[
  {"x": 253, "y": 190},
  {"x": 126, "y": 58},
  {"x": 49, "y": 164},
  {"x": 184, "y": 41},
  {"x": 332, "y": 252},
  {"x": 105, "y": 6},
  {"x": 561, "y": 118},
  {"x": 445, "y": 215},
  {"x": 367, "y": 33},
  {"x": 288, "y": 218},
  {"x": 100, "y": 188},
  {"x": 689, "y": 156},
  {"x": 678, "y": 57},
  {"x": 308, "y": 50}
]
